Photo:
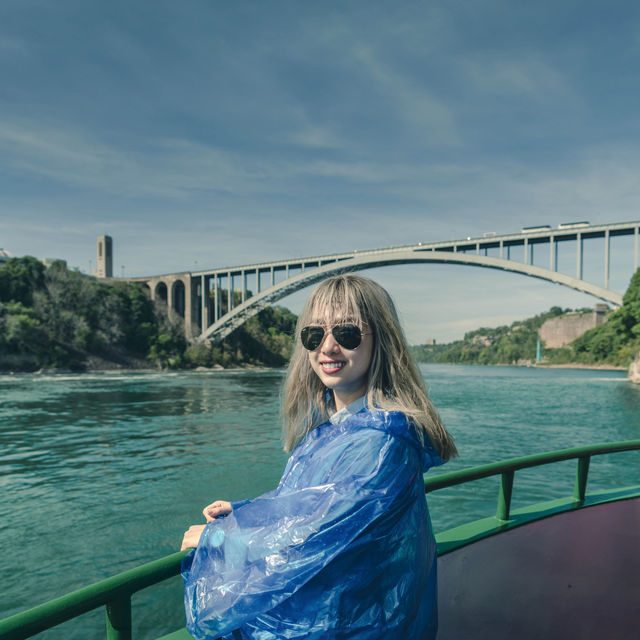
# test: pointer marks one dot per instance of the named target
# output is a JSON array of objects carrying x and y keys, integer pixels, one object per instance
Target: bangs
[{"x": 334, "y": 301}]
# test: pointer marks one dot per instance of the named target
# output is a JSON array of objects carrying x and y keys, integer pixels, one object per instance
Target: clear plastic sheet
[{"x": 342, "y": 548}]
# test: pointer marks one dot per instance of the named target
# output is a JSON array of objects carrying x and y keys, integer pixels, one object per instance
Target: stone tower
[{"x": 104, "y": 257}]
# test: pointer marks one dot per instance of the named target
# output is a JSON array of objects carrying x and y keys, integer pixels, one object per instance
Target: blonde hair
[{"x": 394, "y": 381}]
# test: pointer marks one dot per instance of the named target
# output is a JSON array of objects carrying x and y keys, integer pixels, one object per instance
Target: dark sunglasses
[{"x": 347, "y": 335}]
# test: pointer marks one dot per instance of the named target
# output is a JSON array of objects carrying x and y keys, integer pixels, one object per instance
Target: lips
[{"x": 333, "y": 366}]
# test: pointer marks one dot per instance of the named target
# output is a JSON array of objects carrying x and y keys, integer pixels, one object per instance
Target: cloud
[{"x": 428, "y": 117}]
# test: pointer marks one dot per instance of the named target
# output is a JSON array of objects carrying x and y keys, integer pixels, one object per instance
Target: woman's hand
[
  {"x": 217, "y": 509},
  {"x": 192, "y": 536}
]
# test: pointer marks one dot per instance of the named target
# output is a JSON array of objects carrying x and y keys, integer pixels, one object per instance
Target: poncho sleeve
[{"x": 264, "y": 551}]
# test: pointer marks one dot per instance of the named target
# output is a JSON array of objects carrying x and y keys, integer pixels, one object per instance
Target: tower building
[{"x": 104, "y": 257}]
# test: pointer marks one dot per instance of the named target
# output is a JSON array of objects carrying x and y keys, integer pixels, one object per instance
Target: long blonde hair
[{"x": 394, "y": 381}]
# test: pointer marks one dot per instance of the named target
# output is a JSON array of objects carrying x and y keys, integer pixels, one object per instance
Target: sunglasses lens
[
  {"x": 348, "y": 336},
  {"x": 311, "y": 337}
]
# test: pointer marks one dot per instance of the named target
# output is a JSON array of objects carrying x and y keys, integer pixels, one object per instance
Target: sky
[{"x": 206, "y": 134}]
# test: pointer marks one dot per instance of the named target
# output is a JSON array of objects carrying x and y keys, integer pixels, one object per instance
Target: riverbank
[
  {"x": 252, "y": 367},
  {"x": 580, "y": 365}
]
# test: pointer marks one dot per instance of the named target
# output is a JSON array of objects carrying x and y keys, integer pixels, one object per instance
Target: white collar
[{"x": 351, "y": 409}]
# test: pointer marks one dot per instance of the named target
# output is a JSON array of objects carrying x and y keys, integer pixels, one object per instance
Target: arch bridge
[{"x": 214, "y": 302}]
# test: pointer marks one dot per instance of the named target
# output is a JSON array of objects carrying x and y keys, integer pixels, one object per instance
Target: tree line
[
  {"x": 56, "y": 318},
  {"x": 615, "y": 342}
]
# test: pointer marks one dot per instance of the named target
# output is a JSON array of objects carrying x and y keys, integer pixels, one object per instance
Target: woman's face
[{"x": 340, "y": 369}]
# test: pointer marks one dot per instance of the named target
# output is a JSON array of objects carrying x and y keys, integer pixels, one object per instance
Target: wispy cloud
[{"x": 428, "y": 116}]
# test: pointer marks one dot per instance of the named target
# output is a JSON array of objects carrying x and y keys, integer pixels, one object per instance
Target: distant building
[
  {"x": 430, "y": 341},
  {"x": 104, "y": 257},
  {"x": 4, "y": 255}
]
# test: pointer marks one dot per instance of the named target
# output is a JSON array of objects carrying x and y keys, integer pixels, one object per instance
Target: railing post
[
  {"x": 504, "y": 495},
  {"x": 582, "y": 472},
  {"x": 119, "y": 619}
]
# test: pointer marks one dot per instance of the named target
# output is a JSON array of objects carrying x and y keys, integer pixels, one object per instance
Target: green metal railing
[
  {"x": 457, "y": 537},
  {"x": 507, "y": 469},
  {"x": 115, "y": 593}
]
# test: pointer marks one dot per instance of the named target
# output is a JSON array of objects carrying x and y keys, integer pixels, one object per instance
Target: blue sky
[{"x": 204, "y": 133}]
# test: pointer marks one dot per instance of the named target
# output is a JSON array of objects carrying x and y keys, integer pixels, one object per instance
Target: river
[{"x": 101, "y": 472}]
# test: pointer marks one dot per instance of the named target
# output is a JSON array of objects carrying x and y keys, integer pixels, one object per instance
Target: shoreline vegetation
[
  {"x": 54, "y": 319},
  {"x": 612, "y": 345}
]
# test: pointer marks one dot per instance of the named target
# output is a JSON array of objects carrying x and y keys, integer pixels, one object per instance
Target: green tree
[{"x": 19, "y": 278}]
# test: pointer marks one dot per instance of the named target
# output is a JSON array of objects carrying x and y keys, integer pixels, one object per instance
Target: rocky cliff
[{"x": 561, "y": 331}]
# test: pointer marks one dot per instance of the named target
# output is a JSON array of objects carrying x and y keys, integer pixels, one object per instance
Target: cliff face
[{"x": 561, "y": 331}]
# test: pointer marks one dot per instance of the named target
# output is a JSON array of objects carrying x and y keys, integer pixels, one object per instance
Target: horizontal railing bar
[
  {"x": 484, "y": 471},
  {"x": 71, "y": 605}
]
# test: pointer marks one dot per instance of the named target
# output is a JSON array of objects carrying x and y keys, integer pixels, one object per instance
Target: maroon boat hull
[{"x": 574, "y": 575}]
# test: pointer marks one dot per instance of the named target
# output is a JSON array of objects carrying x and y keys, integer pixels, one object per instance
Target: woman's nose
[{"x": 329, "y": 344}]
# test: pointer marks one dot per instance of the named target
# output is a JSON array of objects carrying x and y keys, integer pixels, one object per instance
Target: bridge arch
[
  {"x": 226, "y": 324},
  {"x": 178, "y": 297},
  {"x": 160, "y": 292}
]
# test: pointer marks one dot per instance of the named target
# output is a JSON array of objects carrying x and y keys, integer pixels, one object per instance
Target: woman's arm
[{"x": 252, "y": 560}]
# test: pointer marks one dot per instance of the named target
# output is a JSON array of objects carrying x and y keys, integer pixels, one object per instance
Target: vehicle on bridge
[
  {"x": 542, "y": 227},
  {"x": 572, "y": 225}
]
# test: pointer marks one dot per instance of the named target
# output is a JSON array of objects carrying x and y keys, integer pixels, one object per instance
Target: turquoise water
[{"x": 101, "y": 472}]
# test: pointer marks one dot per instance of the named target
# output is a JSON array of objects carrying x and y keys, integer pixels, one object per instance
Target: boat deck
[{"x": 571, "y": 575}]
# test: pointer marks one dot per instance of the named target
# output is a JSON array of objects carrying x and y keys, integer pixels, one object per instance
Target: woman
[{"x": 343, "y": 547}]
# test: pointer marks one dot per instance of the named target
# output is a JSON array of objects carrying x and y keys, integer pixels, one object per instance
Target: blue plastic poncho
[{"x": 343, "y": 548}]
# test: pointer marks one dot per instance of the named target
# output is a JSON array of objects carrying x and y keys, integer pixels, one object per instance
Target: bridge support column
[
  {"x": 258, "y": 279},
  {"x": 579, "y": 261},
  {"x": 553, "y": 254},
  {"x": 635, "y": 253},
  {"x": 607, "y": 244},
  {"x": 501, "y": 247},
  {"x": 171, "y": 309},
  {"x": 243, "y": 275},
  {"x": 526, "y": 251},
  {"x": 190, "y": 299},
  {"x": 230, "y": 292},
  {"x": 216, "y": 299},
  {"x": 204, "y": 303},
  {"x": 273, "y": 277}
]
